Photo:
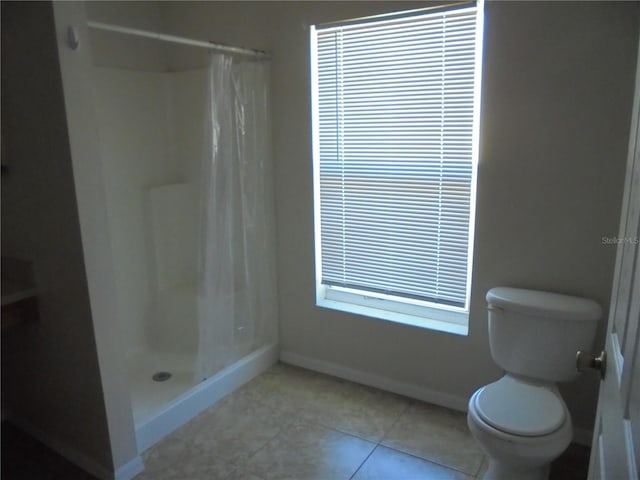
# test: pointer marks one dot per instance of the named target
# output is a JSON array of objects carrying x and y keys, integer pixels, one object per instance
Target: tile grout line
[
  {"x": 395, "y": 422},
  {"x": 474, "y": 476},
  {"x": 484, "y": 459},
  {"x": 377, "y": 443},
  {"x": 453, "y": 469},
  {"x": 281, "y": 430},
  {"x": 333, "y": 428},
  {"x": 364, "y": 461}
]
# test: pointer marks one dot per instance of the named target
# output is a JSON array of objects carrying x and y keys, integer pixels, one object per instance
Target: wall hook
[{"x": 72, "y": 38}]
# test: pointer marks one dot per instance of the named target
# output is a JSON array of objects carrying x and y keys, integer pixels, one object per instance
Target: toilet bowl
[
  {"x": 520, "y": 426},
  {"x": 521, "y": 421}
]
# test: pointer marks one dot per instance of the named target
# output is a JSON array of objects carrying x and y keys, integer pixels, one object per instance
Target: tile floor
[{"x": 291, "y": 423}]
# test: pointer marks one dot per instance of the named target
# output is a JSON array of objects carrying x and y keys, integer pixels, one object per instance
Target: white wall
[
  {"x": 52, "y": 383},
  {"x": 556, "y": 106},
  {"x": 556, "y": 115},
  {"x": 122, "y": 51}
]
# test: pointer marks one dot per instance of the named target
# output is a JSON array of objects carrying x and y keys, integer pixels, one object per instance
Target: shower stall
[{"x": 186, "y": 164}]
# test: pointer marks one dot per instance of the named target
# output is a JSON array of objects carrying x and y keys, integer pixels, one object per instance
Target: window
[{"x": 395, "y": 132}]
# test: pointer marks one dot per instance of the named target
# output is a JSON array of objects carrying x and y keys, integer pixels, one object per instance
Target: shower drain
[{"x": 161, "y": 376}]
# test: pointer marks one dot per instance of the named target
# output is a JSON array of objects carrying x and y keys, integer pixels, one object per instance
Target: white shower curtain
[{"x": 236, "y": 279}]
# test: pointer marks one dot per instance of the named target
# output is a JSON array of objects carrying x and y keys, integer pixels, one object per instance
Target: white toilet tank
[{"x": 537, "y": 334}]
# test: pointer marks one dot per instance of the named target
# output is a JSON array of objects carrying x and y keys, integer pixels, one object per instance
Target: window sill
[{"x": 402, "y": 318}]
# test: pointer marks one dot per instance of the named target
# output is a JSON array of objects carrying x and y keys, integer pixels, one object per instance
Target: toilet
[{"x": 520, "y": 421}]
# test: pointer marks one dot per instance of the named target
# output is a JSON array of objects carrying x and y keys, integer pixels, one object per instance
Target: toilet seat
[{"x": 519, "y": 408}]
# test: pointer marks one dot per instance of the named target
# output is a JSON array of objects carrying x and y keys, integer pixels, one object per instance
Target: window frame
[{"x": 393, "y": 308}]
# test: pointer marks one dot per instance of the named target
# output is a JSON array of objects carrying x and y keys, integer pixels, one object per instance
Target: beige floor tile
[
  {"x": 234, "y": 429},
  {"x": 349, "y": 407},
  {"x": 355, "y": 409},
  {"x": 242, "y": 474},
  {"x": 284, "y": 387},
  {"x": 436, "y": 434},
  {"x": 175, "y": 459},
  {"x": 310, "y": 452},
  {"x": 387, "y": 464},
  {"x": 291, "y": 423}
]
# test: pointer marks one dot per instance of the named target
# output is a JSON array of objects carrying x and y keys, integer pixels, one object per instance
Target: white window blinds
[{"x": 394, "y": 154}]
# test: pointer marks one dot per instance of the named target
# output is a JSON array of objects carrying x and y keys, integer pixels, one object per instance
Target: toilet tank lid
[{"x": 544, "y": 304}]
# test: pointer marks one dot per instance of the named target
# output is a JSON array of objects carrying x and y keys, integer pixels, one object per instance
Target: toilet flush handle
[{"x": 587, "y": 361}]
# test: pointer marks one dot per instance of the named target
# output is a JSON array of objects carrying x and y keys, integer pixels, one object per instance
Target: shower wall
[
  {"x": 151, "y": 138},
  {"x": 120, "y": 51}
]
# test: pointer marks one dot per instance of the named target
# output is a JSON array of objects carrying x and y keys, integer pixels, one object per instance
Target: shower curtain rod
[{"x": 176, "y": 39}]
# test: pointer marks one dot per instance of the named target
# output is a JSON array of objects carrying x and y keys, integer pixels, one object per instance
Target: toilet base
[
  {"x": 499, "y": 471},
  {"x": 514, "y": 457}
]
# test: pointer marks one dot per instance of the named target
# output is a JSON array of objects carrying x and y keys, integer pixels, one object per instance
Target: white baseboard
[
  {"x": 72, "y": 454},
  {"x": 204, "y": 395},
  {"x": 130, "y": 469},
  {"x": 454, "y": 402}
]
